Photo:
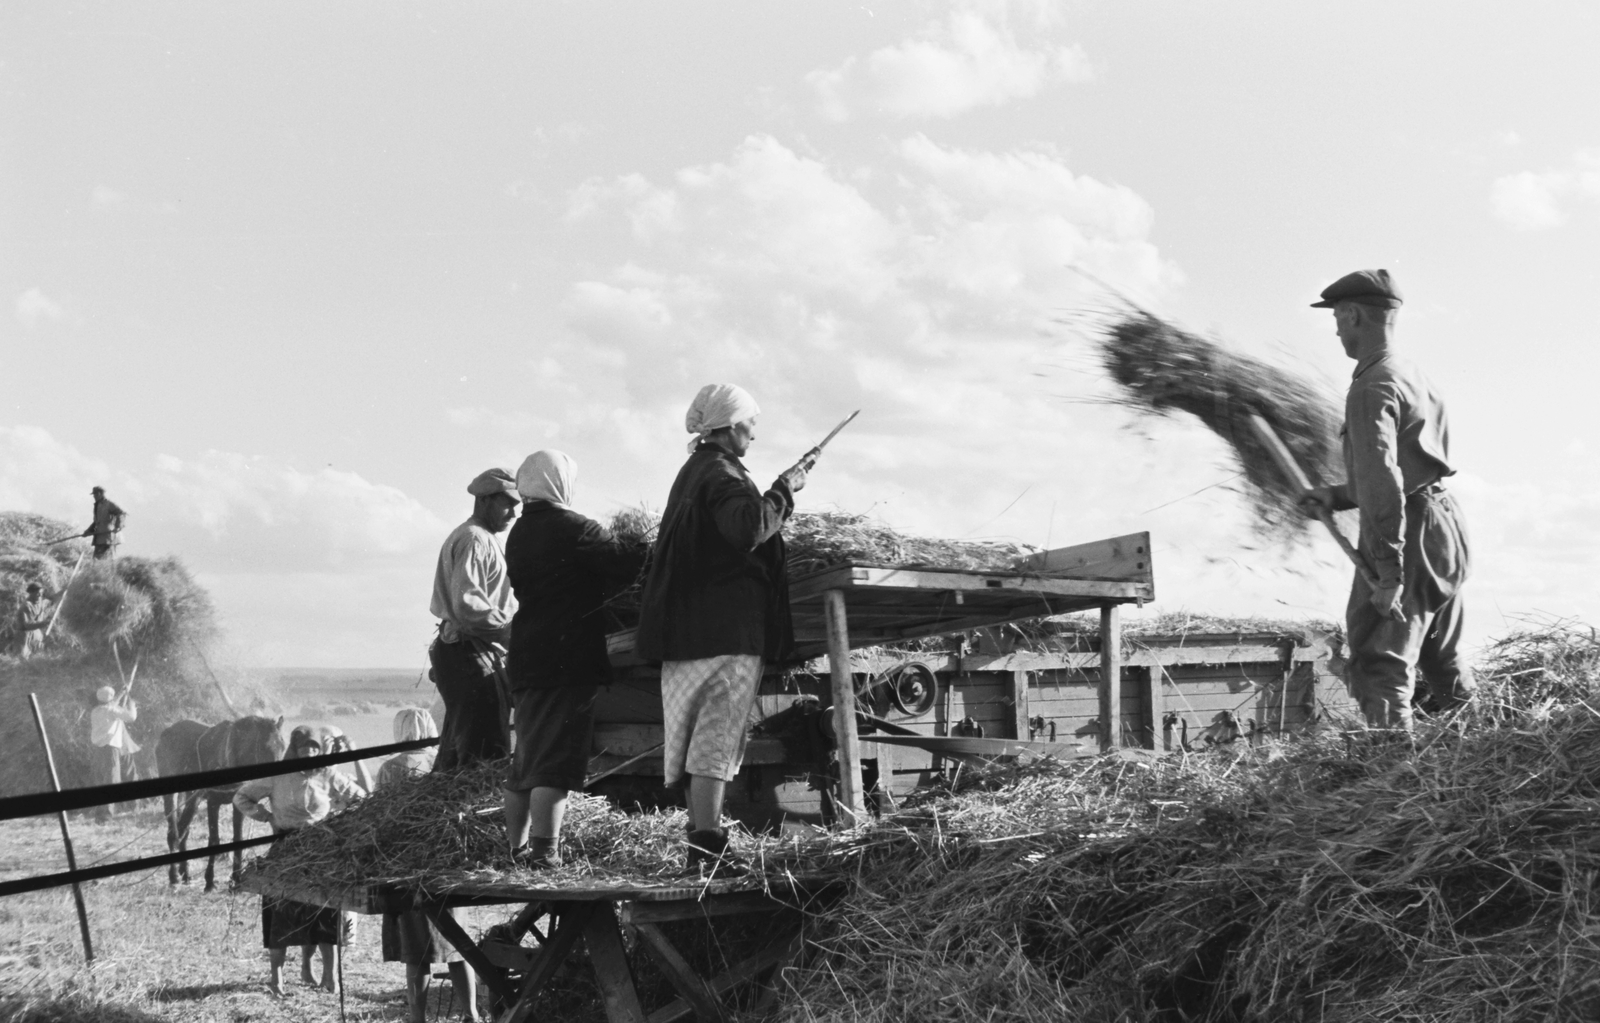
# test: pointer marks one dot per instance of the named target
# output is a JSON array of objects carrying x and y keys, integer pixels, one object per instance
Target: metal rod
[{"x": 66, "y": 831}]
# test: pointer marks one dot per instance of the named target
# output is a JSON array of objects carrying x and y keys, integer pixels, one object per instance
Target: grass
[{"x": 161, "y": 953}]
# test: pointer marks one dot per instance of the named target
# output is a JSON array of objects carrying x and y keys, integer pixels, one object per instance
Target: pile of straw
[
  {"x": 1334, "y": 878},
  {"x": 1161, "y": 369}
]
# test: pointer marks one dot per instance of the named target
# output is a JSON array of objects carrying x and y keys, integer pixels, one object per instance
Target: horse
[{"x": 187, "y": 747}]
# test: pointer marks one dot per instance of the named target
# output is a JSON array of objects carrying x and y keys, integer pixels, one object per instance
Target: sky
[{"x": 283, "y": 278}]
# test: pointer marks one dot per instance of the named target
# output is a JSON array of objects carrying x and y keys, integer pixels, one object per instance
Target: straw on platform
[{"x": 1161, "y": 369}]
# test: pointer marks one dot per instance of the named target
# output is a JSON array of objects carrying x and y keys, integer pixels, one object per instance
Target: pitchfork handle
[{"x": 1290, "y": 468}]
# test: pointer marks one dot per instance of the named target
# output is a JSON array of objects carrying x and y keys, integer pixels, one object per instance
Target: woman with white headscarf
[
  {"x": 715, "y": 607},
  {"x": 563, "y": 566}
]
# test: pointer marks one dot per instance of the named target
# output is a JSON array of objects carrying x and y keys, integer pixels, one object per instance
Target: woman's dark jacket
[
  {"x": 562, "y": 567},
  {"x": 717, "y": 583}
]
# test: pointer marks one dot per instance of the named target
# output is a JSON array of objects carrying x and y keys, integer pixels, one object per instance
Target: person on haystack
[
  {"x": 1396, "y": 440},
  {"x": 294, "y": 801},
  {"x": 563, "y": 566},
  {"x": 714, "y": 607},
  {"x": 111, "y": 748},
  {"x": 31, "y": 621},
  {"x": 107, "y": 525},
  {"x": 473, "y": 601}
]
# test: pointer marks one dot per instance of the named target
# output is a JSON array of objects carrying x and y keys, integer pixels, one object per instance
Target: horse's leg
[
  {"x": 171, "y": 812},
  {"x": 238, "y": 854},
  {"x": 211, "y": 839},
  {"x": 191, "y": 801}
]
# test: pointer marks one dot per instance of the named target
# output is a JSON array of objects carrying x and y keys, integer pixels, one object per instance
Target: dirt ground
[{"x": 162, "y": 953}]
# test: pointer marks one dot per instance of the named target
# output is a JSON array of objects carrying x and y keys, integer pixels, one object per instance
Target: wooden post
[
  {"x": 1019, "y": 705},
  {"x": 1158, "y": 704},
  {"x": 1110, "y": 677},
  {"x": 66, "y": 832},
  {"x": 851, "y": 802}
]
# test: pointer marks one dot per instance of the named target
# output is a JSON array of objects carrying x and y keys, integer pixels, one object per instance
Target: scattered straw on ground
[{"x": 1161, "y": 369}]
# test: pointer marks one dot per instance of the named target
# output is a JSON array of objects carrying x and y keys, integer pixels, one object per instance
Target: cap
[
  {"x": 97, "y": 490},
  {"x": 493, "y": 481},
  {"x": 105, "y": 694},
  {"x": 1365, "y": 287},
  {"x": 34, "y": 586}
]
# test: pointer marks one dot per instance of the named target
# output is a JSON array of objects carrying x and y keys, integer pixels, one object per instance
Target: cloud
[
  {"x": 1536, "y": 200},
  {"x": 35, "y": 307},
  {"x": 972, "y": 58},
  {"x": 223, "y": 511},
  {"x": 105, "y": 195}
]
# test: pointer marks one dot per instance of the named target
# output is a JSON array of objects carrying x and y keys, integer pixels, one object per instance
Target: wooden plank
[
  {"x": 844, "y": 709},
  {"x": 1019, "y": 705},
  {"x": 493, "y": 975},
  {"x": 1136, "y": 657},
  {"x": 733, "y": 904},
  {"x": 936, "y": 580},
  {"x": 571, "y": 919},
  {"x": 612, "y": 973},
  {"x": 1156, "y": 697},
  {"x": 1125, "y": 558},
  {"x": 690, "y": 987},
  {"x": 777, "y": 955},
  {"x": 973, "y": 746},
  {"x": 1110, "y": 677}
]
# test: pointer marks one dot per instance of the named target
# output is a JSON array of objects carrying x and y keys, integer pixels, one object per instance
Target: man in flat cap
[
  {"x": 1396, "y": 454},
  {"x": 473, "y": 601},
  {"x": 107, "y": 525}
]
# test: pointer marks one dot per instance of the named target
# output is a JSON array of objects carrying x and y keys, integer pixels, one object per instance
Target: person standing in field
[
  {"x": 473, "y": 601},
  {"x": 30, "y": 623},
  {"x": 111, "y": 747},
  {"x": 715, "y": 606},
  {"x": 563, "y": 567},
  {"x": 1397, "y": 454},
  {"x": 410, "y": 937},
  {"x": 290, "y": 802},
  {"x": 107, "y": 525}
]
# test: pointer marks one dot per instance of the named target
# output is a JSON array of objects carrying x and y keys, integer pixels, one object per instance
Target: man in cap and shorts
[
  {"x": 1396, "y": 441},
  {"x": 473, "y": 601},
  {"x": 715, "y": 606}
]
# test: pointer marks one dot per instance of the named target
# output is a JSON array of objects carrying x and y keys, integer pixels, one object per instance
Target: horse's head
[{"x": 257, "y": 740}]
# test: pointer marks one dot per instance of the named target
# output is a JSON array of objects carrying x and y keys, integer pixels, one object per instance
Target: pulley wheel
[{"x": 914, "y": 689}]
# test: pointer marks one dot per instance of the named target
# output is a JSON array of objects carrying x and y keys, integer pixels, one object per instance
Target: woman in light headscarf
[
  {"x": 715, "y": 607},
  {"x": 563, "y": 566}
]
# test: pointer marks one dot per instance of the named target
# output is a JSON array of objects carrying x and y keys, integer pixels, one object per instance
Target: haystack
[{"x": 1161, "y": 369}]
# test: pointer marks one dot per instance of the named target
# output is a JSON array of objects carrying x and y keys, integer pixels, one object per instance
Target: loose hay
[{"x": 1161, "y": 369}]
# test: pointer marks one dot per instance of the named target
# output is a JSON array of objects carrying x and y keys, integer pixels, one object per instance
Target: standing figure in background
[
  {"x": 715, "y": 605},
  {"x": 111, "y": 745},
  {"x": 107, "y": 525},
  {"x": 33, "y": 618},
  {"x": 290, "y": 802},
  {"x": 563, "y": 567},
  {"x": 473, "y": 601},
  {"x": 410, "y": 937},
  {"x": 1396, "y": 455}
]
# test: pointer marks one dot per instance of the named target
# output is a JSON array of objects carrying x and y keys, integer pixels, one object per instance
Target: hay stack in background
[{"x": 1160, "y": 369}]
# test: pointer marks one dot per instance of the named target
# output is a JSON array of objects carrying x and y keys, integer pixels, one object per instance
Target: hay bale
[
  {"x": 101, "y": 607},
  {"x": 1160, "y": 369}
]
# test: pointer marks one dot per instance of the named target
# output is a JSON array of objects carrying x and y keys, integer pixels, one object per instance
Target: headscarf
[
  {"x": 414, "y": 723},
  {"x": 716, "y": 406},
  {"x": 547, "y": 476},
  {"x": 492, "y": 481}
]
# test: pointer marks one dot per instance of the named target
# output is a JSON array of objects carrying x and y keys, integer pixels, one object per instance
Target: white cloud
[
  {"x": 105, "y": 195},
  {"x": 1535, "y": 200},
  {"x": 35, "y": 307},
  {"x": 972, "y": 58}
]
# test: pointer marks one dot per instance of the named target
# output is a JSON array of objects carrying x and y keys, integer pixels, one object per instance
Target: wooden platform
[{"x": 597, "y": 911}]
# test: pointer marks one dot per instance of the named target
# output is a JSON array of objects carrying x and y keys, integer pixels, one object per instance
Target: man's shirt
[
  {"x": 471, "y": 591},
  {"x": 1396, "y": 440},
  {"x": 108, "y": 725},
  {"x": 107, "y": 522}
]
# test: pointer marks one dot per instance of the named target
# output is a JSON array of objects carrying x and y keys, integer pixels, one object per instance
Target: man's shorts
[
  {"x": 555, "y": 730},
  {"x": 706, "y": 705}
]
